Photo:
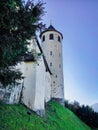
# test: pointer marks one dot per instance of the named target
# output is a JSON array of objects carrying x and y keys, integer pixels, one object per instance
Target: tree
[{"x": 18, "y": 23}]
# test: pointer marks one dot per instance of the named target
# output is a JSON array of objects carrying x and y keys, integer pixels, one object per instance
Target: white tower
[{"x": 52, "y": 48}]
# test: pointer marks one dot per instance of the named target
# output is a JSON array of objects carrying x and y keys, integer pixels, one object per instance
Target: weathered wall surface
[
  {"x": 11, "y": 94},
  {"x": 28, "y": 95},
  {"x": 47, "y": 86},
  {"x": 40, "y": 87},
  {"x": 36, "y": 86},
  {"x": 37, "y": 83}
]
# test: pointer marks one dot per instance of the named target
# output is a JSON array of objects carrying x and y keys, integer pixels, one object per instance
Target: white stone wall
[
  {"x": 47, "y": 86},
  {"x": 55, "y": 58},
  {"x": 29, "y": 91},
  {"x": 40, "y": 87},
  {"x": 29, "y": 84},
  {"x": 15, "y": 93},
  {"x": 36, "y": 83},
  {"x": 11, "y": 94}
]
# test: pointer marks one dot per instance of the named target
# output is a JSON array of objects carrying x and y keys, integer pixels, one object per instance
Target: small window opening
[
  {"x": 50, "y": 52},
  {"x": 59, "y": 38},
  {"x": 50, "y": 64},
  {"x": 51, "y": 37},
  {"x": 43, "y": 38},
  {"x": 59, "y": 65},
  {"x": 54, "y": 82}
]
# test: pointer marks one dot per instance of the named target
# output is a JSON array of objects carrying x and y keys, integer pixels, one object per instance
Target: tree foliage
[{"x": 18, "y": 23}]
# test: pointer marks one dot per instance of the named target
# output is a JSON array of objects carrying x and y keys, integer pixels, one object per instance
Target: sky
[{"x": 77, "y": 20}]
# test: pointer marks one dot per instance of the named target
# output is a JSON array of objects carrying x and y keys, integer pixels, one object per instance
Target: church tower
[{"x": 52, "y": 48}]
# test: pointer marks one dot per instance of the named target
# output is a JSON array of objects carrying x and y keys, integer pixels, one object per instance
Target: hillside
[{"x": 15, "y": 117}]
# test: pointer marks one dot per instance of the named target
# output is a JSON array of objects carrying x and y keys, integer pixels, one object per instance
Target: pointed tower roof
[{"x": 51, "y": 28}]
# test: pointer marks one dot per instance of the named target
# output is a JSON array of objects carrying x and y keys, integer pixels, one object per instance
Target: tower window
[
  {"x": 50, "y": 63},
  {"x": 59, "y": 65},
  {"x": 51, "y": 36},
  {"x": 54, "y": 82},
  {"x": 59, "y": 38},
  {"x": 43, "y": 38},
  {"x": 50, "y": 52}
]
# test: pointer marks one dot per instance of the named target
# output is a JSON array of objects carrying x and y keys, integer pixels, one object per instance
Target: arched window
[
  {"x": 50, "y": 52},
  {"x": 59, "y": 65},
  {"x": 54, "y": 82},
  {"x": 50, "y": 63},
  {"x": 51, "y": 37},
  {"x": 43, "y": 38},
  {"x": 59, "y": 54},
  {"x": 59, "y": 38}
]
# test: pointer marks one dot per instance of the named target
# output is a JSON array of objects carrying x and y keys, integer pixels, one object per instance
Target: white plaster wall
[
  {"x": 29, "y": 84},
  {"x": 40, "y": 87},
  {"x": 47, "y": 86},
  {"x": 55, "y": 46},
  {"x": 37, "y": 86},
  {"x": 15, "y": 93},
  {"x": 11, "y": 94},
  {"x": 34, "y": 83}
]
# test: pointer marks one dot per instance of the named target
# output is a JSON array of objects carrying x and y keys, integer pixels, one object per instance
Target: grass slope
[{"x": 14, "y": 117}]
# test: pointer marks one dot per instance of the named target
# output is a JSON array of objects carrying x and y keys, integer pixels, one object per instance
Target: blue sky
[{"x": 77, "y": 20}]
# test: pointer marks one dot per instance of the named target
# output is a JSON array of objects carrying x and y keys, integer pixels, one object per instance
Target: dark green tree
[{"x": 19, "y": 21}]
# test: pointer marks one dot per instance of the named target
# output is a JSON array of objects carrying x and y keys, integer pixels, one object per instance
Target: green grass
[{"x": 14, "y": 117}]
